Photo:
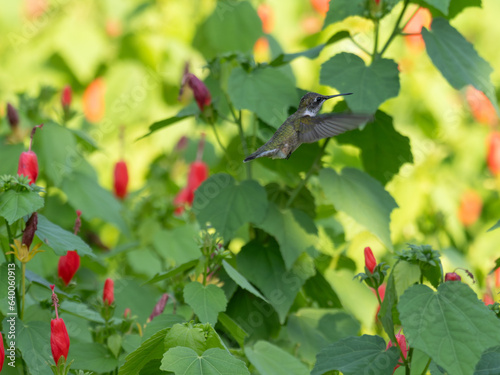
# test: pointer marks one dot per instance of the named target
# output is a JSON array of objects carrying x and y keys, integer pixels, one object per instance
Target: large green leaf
[
  {"x": 450, "y": 325},
  {"x": 199, "y": 337},
  {"x": 33, "y": 342},
  {"x": 227, "y": 206},
  {"x": 361, "y": 197},
  {"x": 16, "y": 204},
  {"x": 441, "y": 5},
  {"x": 92, "y": 199},
  {"x": 234, "y": 329},
  {"x": 383, "y": 149},
  {"x": 9, "y": 155},
  {"x": 239, "y": 279},
  {"x": 313, "y": 329},
  {"x": 149, "y": 350},
  {"x": 489, "y": 364},
  {"x": 269, "y": 359},
  {"x": 457, "y": 60},
  {"x": 341, "y": 9},
  {"x": 371, "y": 85},
  {"x": 448, "y": 8},
  {"x": 183, "y": 114},
  {"x": 264, "y": 267},
  {"x": 233, "y": 26},
  {"x": 178, "y": 244},
  {"x": 185, "y": 361},
  {"x": 290, "y": 228},
  {"x": 206, "y": 301},
  {"x": 174, "y": 271},
  {"x": 92, "y": 356},
  {"x": 268, "y": 92},
  {"x": 59, "y": 239},
  {"x": 57, "y": 152},
  {"x": 357, "y": 355}
]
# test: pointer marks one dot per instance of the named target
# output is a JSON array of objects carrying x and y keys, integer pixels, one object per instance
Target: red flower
[
  {"x": 200, "y": 91},
  {"x": 108, "y": 295},
  {"x": 370, "y": 262},
  {"x": 2, "y": 352},
  {"x": 321, "y": 6},
  {"x": 66, "y": 96},
  {"x": 29, "y": 231},
  {"x": 28, "y": 162},
  {"x": 198, "y": 172},
  {"x": 497, "y": 278},
  {"x": 12, "y": 116},
  {"x": 421, "y": 19},
  {"x": 487, "y": 299},
  {"x": 68, "y": 265},
  {"x": 470, "y": 208},
  {"x": 452, "y": 276},
  {"x": 266, "y": 14},
  {"x": 377, "y": 2},
  {"x": 493, "y": 158},
  {"x": 59, "y": 339},
  {"x": 481, "y": 107},
  {"x": 402, "y": 344},
  {"x": 120, "y": 179},
  {"x": 93, "y": 100},
  {"x": 381, "y": 293},
  {"x": 183, "y": 197},
  {"x": 159, "y": 307}
]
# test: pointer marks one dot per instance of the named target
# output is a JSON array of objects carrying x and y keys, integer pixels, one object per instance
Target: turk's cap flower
[{"x": 108, "y": 294}]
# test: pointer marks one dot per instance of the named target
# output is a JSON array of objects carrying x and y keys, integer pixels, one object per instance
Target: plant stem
[
  {"x": 359, "y": 45},
  {"x": 396, "y": 29},
  {"x": 311, "y": 170},
  {"x": 11, "y": 241},
  {"x": 220, "y": 143},
  {"x": 378, "y": 297},
  {"x": 427, "y": 366},
  {"x": 237, "y": 121},
  {"x": 23, "y": 287},
  {"x": 375, "y": 36}
]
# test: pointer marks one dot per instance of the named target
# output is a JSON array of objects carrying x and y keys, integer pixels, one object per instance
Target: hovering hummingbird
[{"x": 305, "y": 127}]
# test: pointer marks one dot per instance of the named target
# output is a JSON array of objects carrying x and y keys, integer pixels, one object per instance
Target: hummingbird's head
[{"x": 311, "y": 102}]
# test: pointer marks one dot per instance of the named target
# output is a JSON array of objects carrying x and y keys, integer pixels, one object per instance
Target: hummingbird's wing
[{"x": 314, "y": 128}]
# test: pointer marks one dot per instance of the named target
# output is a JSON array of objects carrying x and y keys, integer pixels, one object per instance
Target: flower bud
[
  {"x": 493, "y": 158},
  {"x": 28, "y": 162},
  {"x": 452, "y": 276},
  {"x": 370, "y": 262},
  {"x": 487, "y": 299},
  {"x": 200, "y": 91},
  {"x": 12, "y": 116},
  {"x": 481, "y": 107},
  {"x": 470, "y": 208},
  {"x": 59, "y": 339},
  {"x": 401, "y": 339},
  {"x": 183, "y": 197},
  {"x": 266, "y": 15},
  {"x": 159, "y": 307},
  {"x": 320, "y": 6},
  {"x": 108, "y": 295},
  {"x": 66, "y": 97},
  {"x": 68, "y": 265},
  {"x": 29, "y": 231},
  {"x": 497, "y": 278},
  {"x": 422, "y": 18},
  {"x": 120, "y": 179},
  {"x": 93, "y": 100}
]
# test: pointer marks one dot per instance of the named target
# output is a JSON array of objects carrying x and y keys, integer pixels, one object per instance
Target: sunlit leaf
[
  {"x": 16, "y": 204},
  {"x": 206, "y": 301}
]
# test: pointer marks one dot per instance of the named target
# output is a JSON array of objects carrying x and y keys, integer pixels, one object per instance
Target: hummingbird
[{"x": 304, "y": 126}]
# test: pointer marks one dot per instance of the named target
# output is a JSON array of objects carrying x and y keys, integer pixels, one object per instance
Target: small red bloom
[
  {"x": 200, "y": 90},
  {"x": 470, "y": 208},
  {"x": 108, "y": 295},
  {"x": 183, "y": 197},
  {"x": 402, "y": 344},
  {"x": 12, "y": 116},
  {"x": 370, "y": 262},
  {"x": 487, "y": 299},
  {"x": 481, "y": 107},
  {"x": 28, "y": 162},
  {"x": 497, "y": 278},
  {"x": 452, "y": 276},
  {"x": 493, "y": 158},
  {"x": 159, "y": 307},
  {"x": 266, "y": 14},
  {"x": 68, "y": 265},
  {"x": 59, "y": 339},
  {"x": 66, "y": 96},
  {"x": 2, "y": 352},
  {"x": 320, "y": 6},
  {"x": 120, "y": 179},
  {"x": 421, "y": 19},
  {"x": 93, "y": 100}
]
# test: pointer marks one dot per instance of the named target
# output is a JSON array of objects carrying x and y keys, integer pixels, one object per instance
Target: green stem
[
  {"x": 216, "y": 133},
  {"x": 11, "y": 242},
  {"x": 238, "y": 122},
  {"x": 378, "y": 297},
  {"x": 376, "y": 32},
  {"x": 427, "y": 366},
  {"x": 311, "y": 170},
  {"x": 359, "y": 46},
  {"x": 396, "y": 29},
  {"x": 23, "y": 287}
]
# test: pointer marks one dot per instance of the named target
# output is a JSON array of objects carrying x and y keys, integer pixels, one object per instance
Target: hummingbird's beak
[{"x": 333, "y": 96}]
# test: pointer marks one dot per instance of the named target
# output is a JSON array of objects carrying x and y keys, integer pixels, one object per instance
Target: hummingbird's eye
[{"x": 318, "y": 100}]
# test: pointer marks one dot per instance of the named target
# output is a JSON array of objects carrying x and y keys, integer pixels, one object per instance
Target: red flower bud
[
  {"x": 493, "y": 158},
  {"x": 482, "y": 109},
  {"x": 12, "y": 116},
  {"x": 93, "y": 100},
  {"x": 68, "y": 265},
  {"x": 159, "y": 307},
  {"x": 377, "y": 2},
  {"x": 422, "y": 18},
  {"x": 120, "y": 179},
  {"x": 66, "y": 96},
  {"x": 2, "y": 352},
  {"x": 59, "y": 339},
  {"x": 497, "y": 278},
  {"x": 78, "y": 222},
  {"x": 487, "y": 299},
  {"x": 108, "y": 295},
  {"x": 29, "y": 231},
  {"x": 127, "y": 313},
  {"x": 320, "y": 6},
  {"x": 452, "y": 276},
  {"x": 370, "y": 262},
  {"x": 181, "y": 143},
  {"x": 198, "y": 172},
  {"x": 402, "y": 344},
  {"x": 183, "y": 197},
  {"x": 470, "y": 208},
  {"x": 200, "y": 91},
  {"x": 266, "y": 15},
  {"x": 28, "y": 162}
]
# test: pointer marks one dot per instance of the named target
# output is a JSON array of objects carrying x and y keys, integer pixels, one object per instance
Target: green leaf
[
  {"x": 371, "y": 85},
  {"x": 456, "y": 6},
  {"x": 233, "y": 328},
  {"x": 383, "y": 149},
  {"x": 320, "y": 290},
  {"x": 174, "y": 271},
  {"x": 59, "y": 239},
  {"x": 239, "y": 279},
  {"x": 57, "y": 151},
  {"x": 159, "y": 322},
  {"x": 457, "y": 60},
  {"x": 441, "y": 5},
  {"x": 114, "y": 344},
  {"x": 33, "y": 342},
  {"x": 9, "y": 155},
  {"x": 82, "y": 311},
  {"x": 268, "y": 92},
  {"x": 497, "y": 225},
  {"x": 489, "y": 364},
  {"x": 190, "y": 110},
  {"x": 263, "y": 266},
  {"x": 93, "y": 200},
  {"x": 185, "y": 361},
  {"x": 357, "y": 355},
  {"x": 216, "y": 35},
  {"x": 150, "y": 349},
  {"x": 386, "y": 314},
  {"x": 450, "y": 325},
  {"x": 313, "y": 329},
  {"x": 286, "y": 226},
  {"x": 361, "y": 197},
  {"x": 16, "y": 204},
  {"x": 339, "y": 10},
  {"x": 269, "y": 359},
  {"x": 405, "y": 275},
  {"x": 92, "y": 356},
  {"x": 188, "y": 335},
  {"x": 178, "y": 244},
  {"x": 227, "y": 206},
  {"x": 206, "y": 301}
]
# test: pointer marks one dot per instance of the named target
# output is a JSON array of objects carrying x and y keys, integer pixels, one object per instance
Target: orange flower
[
  {"x": 493, "y": 157},
  {"x": 93, "y": 100},
  {"x": 470, "y": 208},
  {"x": 320, "y": 6},
  {"x": 266, "y": 14},
  {"x": 481, "y": 107},
  {"x": 421, "y": 19}
]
